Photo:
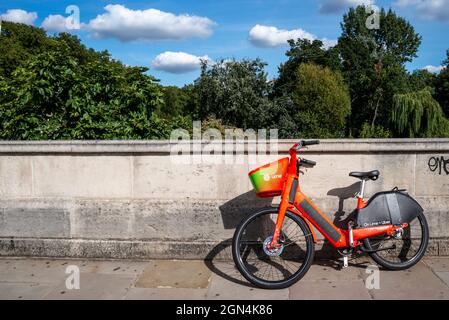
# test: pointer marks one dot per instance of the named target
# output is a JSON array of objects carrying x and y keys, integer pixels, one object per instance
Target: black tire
[
  {"x": 305, "y": 257},
  {"x": 392, "y": 260}
]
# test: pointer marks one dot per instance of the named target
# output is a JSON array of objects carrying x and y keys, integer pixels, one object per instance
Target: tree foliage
[
  {"x": 66, "y": 91},
  {"x": 442, "y": 86},
  {"x": 322, "y": 102},
  {"x": 420, "y": 79},
  {"x": 418, "y": 114},
  {"x": 442, "y": 90},
  {"x": 374, "y": 131},
  {"x": 304, "y": 51},
  {"x": 235, "y": 92},
  {"x": 53, "y": 87},
  {"x": 176, "y": 102},
  {"x": 19, "y": 42},
  {"x": 373, "y": 63}
]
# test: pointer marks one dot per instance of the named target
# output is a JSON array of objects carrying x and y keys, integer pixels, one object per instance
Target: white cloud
[
  {"x": 336, "y": 6},
  {"x": 433, "y": 69},
  {"x": 54, "y": 23},
  {"x": 152, "y": 24},
  {"x": 20, "y": 16},
  {"x": 177, "y": 62},
  {"x": 58, "y": 23},
  {"x": 270, "y": 37},
  {"x": 428, "y": 9},
  {"x": 327, "y": 43}
]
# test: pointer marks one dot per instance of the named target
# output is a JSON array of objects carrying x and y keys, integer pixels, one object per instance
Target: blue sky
[{"x": 171, "y": 36}]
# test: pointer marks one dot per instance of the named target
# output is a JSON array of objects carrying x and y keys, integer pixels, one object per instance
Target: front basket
[{"x": 268, "y": 180}]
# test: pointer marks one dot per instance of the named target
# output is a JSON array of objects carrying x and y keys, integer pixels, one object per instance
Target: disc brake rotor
[{"x": 274, "y": 251}]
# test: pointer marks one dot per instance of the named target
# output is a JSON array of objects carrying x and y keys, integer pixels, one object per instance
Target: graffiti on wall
[{"x": 439, "y": 164}]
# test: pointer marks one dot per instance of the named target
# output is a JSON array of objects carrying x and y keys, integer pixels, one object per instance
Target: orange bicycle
[{"x": 274, "y": 247}]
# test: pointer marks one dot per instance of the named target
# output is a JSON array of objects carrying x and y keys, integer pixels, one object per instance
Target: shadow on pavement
[{"x": 219, "y": 261}]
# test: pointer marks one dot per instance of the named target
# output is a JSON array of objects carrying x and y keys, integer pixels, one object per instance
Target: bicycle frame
[{"x": 292, "y": 199}]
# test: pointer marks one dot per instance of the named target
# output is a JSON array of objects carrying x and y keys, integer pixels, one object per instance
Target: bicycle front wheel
[{"x": 278, "y": 268}]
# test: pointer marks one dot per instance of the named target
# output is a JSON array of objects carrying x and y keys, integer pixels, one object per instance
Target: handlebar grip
[
  {"x": 309, "y": 142},
  {"x": 307, "y": 162}
]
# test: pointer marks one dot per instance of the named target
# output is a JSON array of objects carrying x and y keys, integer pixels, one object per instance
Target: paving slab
[
  {"x": 175, "y": 274},
  {"x": 94, "y": 286},
  {"x": 329, "y": 290},
  {"x": 228, "y": 271},
  {"x": 32, "y": 270},
  {"x": 166, "y": 294},
  {"x": 223, "y": 289},
  {"x": 437, "y": 263},
  {"x": 328, "y": 270},
  {"x": 444, "y": 276},
  {"x": 25, "y": 291},
  {"x": 113, "y": 267},
  {"x": 195, "y": 280},
  {"x": 419, "y": 282}
]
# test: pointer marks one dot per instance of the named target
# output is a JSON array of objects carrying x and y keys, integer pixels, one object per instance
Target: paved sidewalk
[{"x": 164, "y": 279}]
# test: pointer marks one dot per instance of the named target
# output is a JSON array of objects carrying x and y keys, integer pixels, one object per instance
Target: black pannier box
[{"x": 388, "y": 207}]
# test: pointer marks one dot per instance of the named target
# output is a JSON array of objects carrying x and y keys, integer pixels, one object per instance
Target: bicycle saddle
[{"x": 373, "y": 175}]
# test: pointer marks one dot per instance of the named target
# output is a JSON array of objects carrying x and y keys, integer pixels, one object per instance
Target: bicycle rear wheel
[
  {"x": 410, "y": 246},
  {"x": 272, "y": 269}
]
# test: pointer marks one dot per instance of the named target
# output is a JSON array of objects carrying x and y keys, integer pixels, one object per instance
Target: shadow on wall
[
  {"x": 343, "y": 194},
  {"x": 219, "y": 259},
  {"x": 341, "y": 218},
  {"x": 235, "y": 210}
]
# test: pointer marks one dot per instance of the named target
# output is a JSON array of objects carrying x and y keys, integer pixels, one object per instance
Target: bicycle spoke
[
  {"x": 283, "y": 264},
  {"x": 406, "y": 247}
]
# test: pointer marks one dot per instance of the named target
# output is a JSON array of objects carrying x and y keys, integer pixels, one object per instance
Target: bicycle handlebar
[
  {"x": 309, "y": 142},
  {"x": 306, "y": 162},
  {"x": 305, "y": 143}
]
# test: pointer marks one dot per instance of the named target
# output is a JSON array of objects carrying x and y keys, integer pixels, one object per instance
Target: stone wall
[{"x": 130, "y": 199}]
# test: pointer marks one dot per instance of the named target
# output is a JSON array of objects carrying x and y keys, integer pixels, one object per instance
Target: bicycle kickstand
[{"x": 345, "y": 262}]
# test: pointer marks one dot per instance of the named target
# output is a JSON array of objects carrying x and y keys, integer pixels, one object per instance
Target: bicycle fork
[{"x": 287, "y": 199}]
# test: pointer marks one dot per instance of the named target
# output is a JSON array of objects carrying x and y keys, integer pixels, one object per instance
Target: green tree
[
  {"x": 304, "y": 51},
  {"x": 442, "y": 90},
  {"x": 192, "y": 104},
  {"x": 373, "y": 64},
  {"x": 442, "y": 86},
  {"x": 176, "y": 102},
  {"x": 55, "y": 96},
  {"x": 420, "y": 79},
  {"x": 56, "y": 88},
  {"x": 374, "y": 131},
  {"x": 418, "y": 114},
  {"x": 235, "y": 92},
  {"x": 19, "y": 42},
  {"x": 79, "y": 51},
  {"x": 322, "y": 102}
]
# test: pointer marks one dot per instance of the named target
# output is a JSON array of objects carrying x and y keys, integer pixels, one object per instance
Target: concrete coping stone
[{"x": 250, "y": 146}]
